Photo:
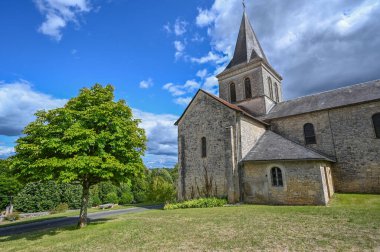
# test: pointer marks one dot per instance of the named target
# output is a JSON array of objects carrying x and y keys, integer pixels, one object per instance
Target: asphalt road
[{"x": 67, "y": 221}]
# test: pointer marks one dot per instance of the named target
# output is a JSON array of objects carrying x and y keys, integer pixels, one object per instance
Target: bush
[
  {"x": 46, "y": 196},
  {"x": 95, "y": 201},
  {"x": 112, "y": 198},
  {"x": 161, "y": 190},
  {"x": 197, "y": 203},
  {"x": 13, "y": 216},
  {"x": 61, "y": 208},
  {"x": 126, "y": 198}
]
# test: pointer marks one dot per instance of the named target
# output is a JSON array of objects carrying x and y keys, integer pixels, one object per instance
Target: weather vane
[{"x": 244, "y": 4}]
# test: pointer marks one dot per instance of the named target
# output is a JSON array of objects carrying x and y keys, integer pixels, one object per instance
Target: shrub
[
  {"x": 197, "y": 203},
  {"x": 95, "y": 201},
  {"x": 126, "y": 198},
  {"x": 112, "y": 198},
  {"x": 161, "y": 190},
  {"x": 61, "y": 208},
  {"x": 13, "y": 216}
]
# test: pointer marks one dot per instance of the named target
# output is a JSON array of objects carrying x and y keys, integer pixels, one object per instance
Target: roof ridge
[{"x": 327, "y": 91}]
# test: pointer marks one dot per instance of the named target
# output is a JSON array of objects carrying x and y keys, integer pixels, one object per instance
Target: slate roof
[
  {"x": 247, "y": 45},
  {"x": 359, "y": 93},
  {"x": 225, "y": 103},
  {"x": 272, "y": 147}
]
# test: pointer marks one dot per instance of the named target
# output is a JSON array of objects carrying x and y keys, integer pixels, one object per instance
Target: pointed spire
[{"x": 247, "y": 46}]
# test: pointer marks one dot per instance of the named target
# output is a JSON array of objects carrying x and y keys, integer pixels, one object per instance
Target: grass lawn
[{"x": 350, "y": 222}]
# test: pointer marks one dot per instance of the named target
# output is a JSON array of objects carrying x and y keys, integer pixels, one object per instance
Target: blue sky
[{"x": 158, "y": 53}]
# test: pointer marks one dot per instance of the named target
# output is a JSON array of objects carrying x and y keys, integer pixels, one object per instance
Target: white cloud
[
  {"x": 162, "y": 138},
  {"x": 191, "y": 85},
  {"x": 325, "y": 45},
  {"x": 146, "y": 83},
  {"x": 167, "y": 28},
  {"x": 179, "y": 48},
  {"x": 180, "y": 27},
  {"x": 178, "y": 90},
  {"x": 184, "y": 101},
  {"x": 18, "y": 103},
  {"x": 205, "y": 17},
  {"x": 202, "y": 73},
  {"x": 175, "y": 90},
  {"x": 58, "y": 13},
  {"x": 6, "y": 151},
  {"x": 353, "y": 21},
  {"x": 211, "y": 84},
  {"x": 210, "y": 57}
]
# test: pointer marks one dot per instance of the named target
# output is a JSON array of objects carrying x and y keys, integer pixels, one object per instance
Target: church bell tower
[{"x": 249, "y": 81}]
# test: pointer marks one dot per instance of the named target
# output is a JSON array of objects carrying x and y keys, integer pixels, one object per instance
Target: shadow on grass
[{"x": 35, "y": 233}]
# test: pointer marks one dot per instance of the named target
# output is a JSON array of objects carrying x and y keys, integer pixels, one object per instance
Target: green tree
[
  {"x": 90, "y": 140},
  {"x": 9, "y": 185}
]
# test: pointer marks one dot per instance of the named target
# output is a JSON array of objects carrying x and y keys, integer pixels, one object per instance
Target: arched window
[
  {"x": 276, "y": 177},
  {"x": 276, "y": 92},
  {"x": 248, "y": 90},
  {"x": 232, "y": 93},
  {"x": 270, "y": 85},
  {"x": 376, "y": 124},
  {"x": 204, "y": 147},
  {"x": 309, "y": 133}
]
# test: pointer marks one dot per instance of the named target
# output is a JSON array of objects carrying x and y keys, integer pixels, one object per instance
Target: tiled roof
[
  {"x": 272, "y": 147},
  {"x": 359, "y": 93}
]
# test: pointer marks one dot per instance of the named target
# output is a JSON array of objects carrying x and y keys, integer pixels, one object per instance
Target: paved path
[{"x": 67, "y": 221}]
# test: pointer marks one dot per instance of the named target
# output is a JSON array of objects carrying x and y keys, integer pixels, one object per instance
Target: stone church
[{"x": 249, "y": 145}]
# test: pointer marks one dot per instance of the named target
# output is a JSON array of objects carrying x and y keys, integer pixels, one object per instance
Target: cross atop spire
[
  {"x": 247, "y": 46},
  {"x": 244, "y": 5}
]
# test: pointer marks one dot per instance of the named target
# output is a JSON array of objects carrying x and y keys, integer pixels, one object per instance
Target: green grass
[{"x": 350, "y": 222}]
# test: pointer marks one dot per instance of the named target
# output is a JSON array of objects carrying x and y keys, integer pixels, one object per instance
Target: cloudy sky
[{"x": 157, "y": 54}]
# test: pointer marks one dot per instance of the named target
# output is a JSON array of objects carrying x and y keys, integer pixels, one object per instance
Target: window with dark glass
[
  {"x": 376, "y": 124},
  {"x": 276, "y": 91},
  {"x": 204, "y": 147},
  {"x": 309, "y": 133},
  {"x": 248, "y": 90},
  {"x": 232, "y": 93},
  {"x": 276, "y": 177},
  {"x": 270, "y": 85}
]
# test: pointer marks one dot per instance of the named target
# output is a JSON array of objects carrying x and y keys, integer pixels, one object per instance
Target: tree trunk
[{"x": 83, "y": 210}]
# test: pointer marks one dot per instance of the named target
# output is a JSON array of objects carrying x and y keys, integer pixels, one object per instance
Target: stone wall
[
  {"x": 250, "y": 132},
  {"x": 303, "y": 183},
  {"x": 346, "y": 133},
  {"x": 206, "y": 117}
]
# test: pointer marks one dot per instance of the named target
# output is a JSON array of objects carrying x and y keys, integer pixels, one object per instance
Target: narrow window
[
  {"x": 276, "y": 177},
  {"x": 248, "y": 90},
  {"x": 376, "y": 124},
  {"x": 276, "y": 91},
  {"x": 309, "y": 133},
  {"x": 270, "y": 88},
  {"x": 204, "y": 147},
  {"x": 232, "y": 93}
]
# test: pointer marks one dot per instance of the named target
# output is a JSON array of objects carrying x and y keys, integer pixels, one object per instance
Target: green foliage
[
  {"x": 140, "y": 187},
  {"x": 161, "y": 186},
  {"x": 112, "y": 198},
  {"x": 126, "y": 198},
  {"x": 61, "y": 208},
  {"x": 90, "y": 140},
  {"x": 9, "y": 185},
  {"x": 45, "y": 196},
  {"x": 197, "y": 203}
]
